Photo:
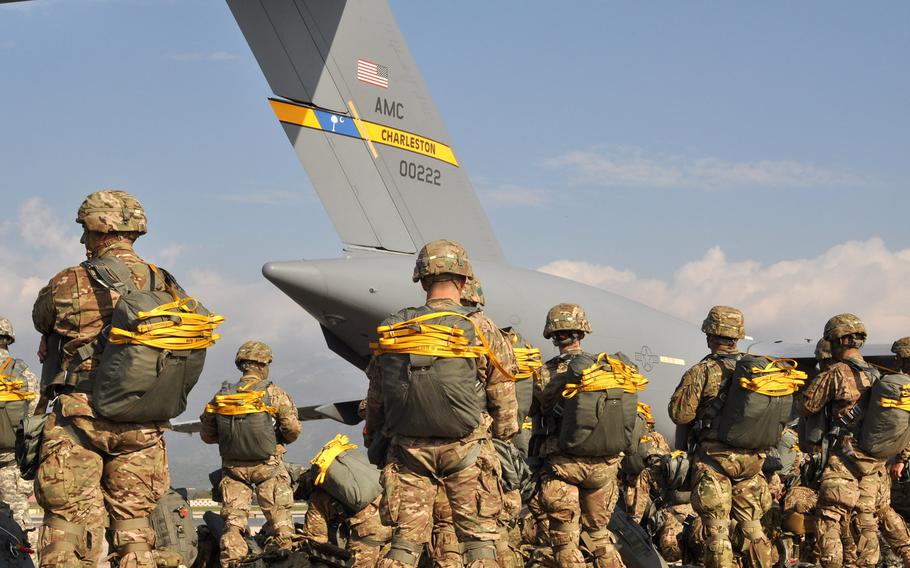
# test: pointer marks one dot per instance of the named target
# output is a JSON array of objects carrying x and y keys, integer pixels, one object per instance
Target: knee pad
[
  {"x": 474, "y": 550},
  {"x": 405, "y": 551},
  {"x": 562, "y": 534}
]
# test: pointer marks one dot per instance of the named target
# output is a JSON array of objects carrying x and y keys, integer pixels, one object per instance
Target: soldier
[
  {"x": 252, "y": 446},
  {"x": 726, "y": 479},
  {"x": 852, "y": 481},
  {"x": 575, "y": 485},
  {"x": 893, "y": 525},
  {"x": 88, "y": 463},
  {"x": 436, "y": 433},
  {"x": 18, "y": 399}
]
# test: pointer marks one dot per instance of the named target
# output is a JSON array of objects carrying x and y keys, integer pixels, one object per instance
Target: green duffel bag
[{"x": 885, "y": 431}]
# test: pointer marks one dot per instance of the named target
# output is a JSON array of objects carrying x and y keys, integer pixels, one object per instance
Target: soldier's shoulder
[{"x": 67, "y": 276}]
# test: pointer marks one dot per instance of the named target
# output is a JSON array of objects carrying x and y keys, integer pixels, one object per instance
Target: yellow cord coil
[
  {"x": 598, "y": 378},
  {"x": 328, "y": 453},
  {"x": 414, "y": 336},
  {"x": 243, "y": 402},
  {"x": 778, "y": 378},
  {"x": 182, "y": 330},
  {"x": 11, "y": 387},
  {"x": 645, "y": 411},
  {"x": 902, "y": 403},
  {"x": 529, "y": 362}
]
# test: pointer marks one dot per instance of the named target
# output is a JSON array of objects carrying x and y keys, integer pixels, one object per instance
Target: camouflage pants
[
  {"x": 15, "y": 491},
  {"x": 535, "y": 534},
  {"x": 444, "y": 549},
  {"x": 893, "y": 526},
  {"x": 367, "y": 534},
  {"x": 636, "y": 493},
  {"x": 273, "y": 492},
  {"x": 847, "y": 505},
  {"x": 76, "y": 482},
  {"x": 670, "y": 534},
  {"x": 416, "y": 471},
  {"x": 730, "y": 483},
  {"x": 581, "y": 489}
]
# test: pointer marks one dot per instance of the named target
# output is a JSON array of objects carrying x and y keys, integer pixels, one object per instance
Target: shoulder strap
[{"x": 112, "y": 273}]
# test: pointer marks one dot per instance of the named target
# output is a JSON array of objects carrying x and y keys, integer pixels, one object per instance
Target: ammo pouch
[
  {"x": 29, "y": 435},
  {"x": 885, "y": 431}
]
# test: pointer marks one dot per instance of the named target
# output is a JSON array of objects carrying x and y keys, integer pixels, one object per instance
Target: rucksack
[
  {"x": 347, "y": 475},
  {"x": 244, "y": 417},
  {"x": 759, "y": 401},
  {"x": 14, "y": 398},
  {"x": 599, "y": 409},
  {"x": 155, "y": 349},
  {"x": 428, "y": 372},
  {"x": 174, "y": 526},
  {"x": 885, "y": 431}
]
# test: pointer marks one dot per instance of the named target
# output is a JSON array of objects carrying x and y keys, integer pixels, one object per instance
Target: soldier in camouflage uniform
[
  {"x": 13, "y": 489},
  {"x": 673, "y": 500},
  {"x": 727, "y": 480},
  {"x": 89, "y": 465},
  {"x": 269, "y": 478},
  {"x": 893, "y": 525},
  {"x": 574, "y": 489},
  {"x": 636, "y": 486},
  {"x": 853, "y": 483},
  {"x": 416, "y": 468}
]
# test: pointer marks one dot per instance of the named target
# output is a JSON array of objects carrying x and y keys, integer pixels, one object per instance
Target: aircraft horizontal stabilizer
[{"x": 345, "y": 412}]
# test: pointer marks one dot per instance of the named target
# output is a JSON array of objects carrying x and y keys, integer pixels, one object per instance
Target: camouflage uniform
[
  {"x": 91, "y": 467},
  {"x": 270, "y": 478},
  {"x": 727, "y": 479},
  {"x": 674, "y": 512},
  {"x": 444, "y": 550},
  {"x": 367, "y": 534},
  {"x": 416, "y": 468}
]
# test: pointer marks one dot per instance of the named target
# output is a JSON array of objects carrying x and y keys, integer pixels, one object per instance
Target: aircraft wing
[
  {"x": 345, "y": 412},
  {"x": 355, "y": 108}
]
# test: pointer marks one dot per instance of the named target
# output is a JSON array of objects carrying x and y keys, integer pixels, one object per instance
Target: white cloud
[
  {"x": 625, "y": 166},
  {"x": 789, "y": 300},
  {"x": 512, "y": 195},
  {"x": 200, "y": 56}
]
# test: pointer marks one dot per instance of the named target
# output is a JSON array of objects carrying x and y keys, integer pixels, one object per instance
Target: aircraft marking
[
  {"x": 672, "y": 360},
  {"x": 646, "y": 358},
  {"x": 419, "y": 172},
  {"x": 389, "y": 108},
  {"x": 365, "y": 130}
]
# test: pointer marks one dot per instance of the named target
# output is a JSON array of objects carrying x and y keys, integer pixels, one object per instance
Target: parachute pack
[
  {"x": 599, "y": 411},
  {"x": 175, "y": 528},
  {"x": 759, "y": 401},
  {"x": 244, "y": 416},
  {"x": 529, "y": 365},
  {"x": 346, "y": 475},
  {"x": 13, "y": 401},
  {"x": 635, "y": 460},
  {"x": 156, "y": 346},
  {"x": 885, "y": 431}
]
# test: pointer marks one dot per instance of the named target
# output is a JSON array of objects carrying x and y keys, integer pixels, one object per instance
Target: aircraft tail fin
[{"x": 356, "y": 110}]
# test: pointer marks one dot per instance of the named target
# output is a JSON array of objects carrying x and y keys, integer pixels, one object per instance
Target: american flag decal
[{"x": 371, "y": 73}]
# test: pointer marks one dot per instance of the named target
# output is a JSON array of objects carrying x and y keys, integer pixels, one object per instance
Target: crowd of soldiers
[{"x": 478, "y": 453}]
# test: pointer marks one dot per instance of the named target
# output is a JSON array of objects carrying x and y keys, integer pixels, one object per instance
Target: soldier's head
[
  {"x": 254, "y": 358},
  {"x": 823, "y": 355},
  {"x": 7, "y": 335},
  {"x": 472, "y": 293},
  {"x": 566, "y": 325},
  {"x": 109, "y": 215},
  {"x": 723, "y": 326},
  {"x": 846, "y": 333},
  {"x": 443, "y": 267},
  {"x": 901, "y": 350}
]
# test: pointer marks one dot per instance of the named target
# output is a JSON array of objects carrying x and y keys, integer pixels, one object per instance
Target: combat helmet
[
  {"x": 724, "y": 321},
  {"x": 6, "y": 330},
  {"x": 442, "y": 256},
  {"x": 901, "y": 347},
  {"x": 823, "y": 350},
  {"x": 566, "y": 317},
  {"x": 112, "y": 210},
  {"x": 842, "y": 325},
  {"x": 472, "y": 293},
  {"x": 256, "y": 351}
]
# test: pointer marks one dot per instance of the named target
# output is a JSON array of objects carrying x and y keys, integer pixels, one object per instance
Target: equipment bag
[
  {"x": 598, "y": 412},
  {"x": 155, "y": 348},
  {"x": 759, "y": 401},
  {"x": 29, "y": 435},
  {"x": 174, "y": 526},
  {"x": 429, "y": 373},
  {"x": 13, "y": 401},
  {"x": 346, "y": 475},
  {"x": 14, "y": 545},
  {"x": 244, "y": 417},
  {"x": 885, "y": 431}
]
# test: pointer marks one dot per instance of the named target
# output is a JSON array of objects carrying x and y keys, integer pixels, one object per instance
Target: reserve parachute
[
  {"x": 14, "y": 400},
  {"x": 885, "y": 431},
  {"x": 244, "y": 416},
  {"x": 346, "y": 474}
]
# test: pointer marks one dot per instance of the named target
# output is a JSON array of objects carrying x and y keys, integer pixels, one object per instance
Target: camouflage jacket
[
  {"x": 76, "y": 307},
  {"x": 287, "y": 424},
  {"x": 697, "y": 389},
  {"x": 31, "y": 385},
  {"x": 500, "y": 389}
]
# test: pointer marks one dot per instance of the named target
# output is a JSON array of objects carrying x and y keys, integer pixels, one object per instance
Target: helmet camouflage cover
[
  {"x": 442, "y": 257},
  {"x": 566, "y": 317},
  {"x": 842, "y": 325},
  {"x": 823, "y": 350},
  {"x": 473, "y": 292},
  {"x": 6, "y": 329},
  {"x": 901, "y": 347},
  {"x": 112, "y": 210},
  {"x": 254, "y": 351},
  {"x": 725, "y": 321}
]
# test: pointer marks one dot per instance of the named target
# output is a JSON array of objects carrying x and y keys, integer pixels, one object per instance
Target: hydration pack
[
  {"x": 759, "y": 401},
  {"x": 347, "y": 475},
  {"x": 885, "y": 431},
  {"x": 14, "y": 399},
  {"x": 155, "y": 347},
  {"x": 599, "y": 406},
  {"x": 174, "y": 526},
  {"x": 243, "y": 415},
  {"x": 429, "y": 373}
]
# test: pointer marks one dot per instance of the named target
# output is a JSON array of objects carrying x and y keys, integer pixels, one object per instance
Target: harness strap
[
  {"x": 130, "y": 524},
  {"x": 135, "y": 547}
]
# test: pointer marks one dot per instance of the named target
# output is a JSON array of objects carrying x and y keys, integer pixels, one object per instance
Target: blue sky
[{"x": 689, "y": 153}]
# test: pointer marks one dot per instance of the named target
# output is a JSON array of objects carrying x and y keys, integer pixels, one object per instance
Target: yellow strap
[
  {"x": 902, "y": 403},
  {"x": 244, "y": 402},
  {"x": 415, "y": 337},
  {"x": 677, "y": 453},
  {"x": 645, "y": 410},
  {"x": 529, "y": 362},
  {"x": 11, "y": 387},
  {"x": 182, "y": 329},
  {"x": 778, "y": 378},
  {"x": 598, "y": 378},
  {"x": 528, "y": 424},
  {"x": 328, "y": 453}
]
